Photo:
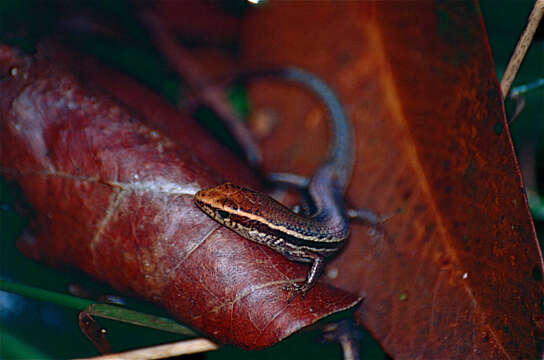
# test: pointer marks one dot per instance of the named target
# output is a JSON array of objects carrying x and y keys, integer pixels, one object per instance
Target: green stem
[
  {"x": 101, "y": 310},
  {"x": 56, "y": 298}
]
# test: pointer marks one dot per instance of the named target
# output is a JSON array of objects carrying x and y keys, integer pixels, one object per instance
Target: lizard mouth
[{"x": 203, "y": 206}]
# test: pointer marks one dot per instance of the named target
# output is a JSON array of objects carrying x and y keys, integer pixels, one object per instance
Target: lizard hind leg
[{"x": 301, "y": 289}]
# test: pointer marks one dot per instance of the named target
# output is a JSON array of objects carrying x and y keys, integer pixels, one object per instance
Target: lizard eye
[{"x": 222, "y": 214}]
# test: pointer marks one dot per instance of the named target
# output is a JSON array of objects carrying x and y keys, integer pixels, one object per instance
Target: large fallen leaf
[
  {"x": 459, "y": 272},
  {"x": 114, "y": 198},
  {"x": 154, "y": 110}
]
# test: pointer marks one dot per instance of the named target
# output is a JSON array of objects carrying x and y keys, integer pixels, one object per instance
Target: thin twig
[
  {"x": 163, "y": 351},
  {"x": 522, "y": 46},
  {"x": 213, "y": 96}
]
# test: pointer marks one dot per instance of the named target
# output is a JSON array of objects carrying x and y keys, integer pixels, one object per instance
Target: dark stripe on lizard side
[{"x": 315, "y": 246}]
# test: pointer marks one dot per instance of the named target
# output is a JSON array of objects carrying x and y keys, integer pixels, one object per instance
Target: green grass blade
[
  {"x": 137, "y": 318},
  {"x": 52, "y": 297},
  {"x": 107, "y": 311}
]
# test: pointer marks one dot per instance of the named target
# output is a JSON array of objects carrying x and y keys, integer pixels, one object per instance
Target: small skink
[{"x": 258, "y": 217}]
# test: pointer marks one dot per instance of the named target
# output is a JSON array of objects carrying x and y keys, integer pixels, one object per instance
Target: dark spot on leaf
[
  {"x": 537, "y": 275},
  {"x": 418, "y": 209},
  {"x": 492, "y": 94},
  {"x": 344, "y": 58},
  {"x": 498, "y": 128}
]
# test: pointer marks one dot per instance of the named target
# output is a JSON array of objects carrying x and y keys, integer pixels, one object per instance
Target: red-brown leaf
[
  {"x": 155, "y": 111},
  {"x": 459, "y": 273},
  {"x": 113, "y": 197},
  {"x": 199, "y": 20}
]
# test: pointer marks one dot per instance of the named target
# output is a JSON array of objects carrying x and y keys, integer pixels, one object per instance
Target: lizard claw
[{"x": 296, "y": 290}]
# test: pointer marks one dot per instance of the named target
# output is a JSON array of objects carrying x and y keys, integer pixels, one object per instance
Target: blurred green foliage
[{"x": 36, "y": 329}]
